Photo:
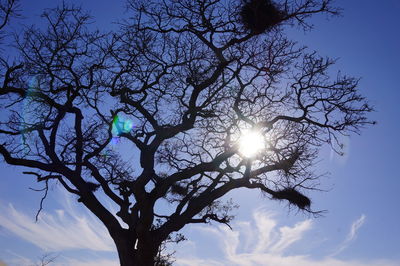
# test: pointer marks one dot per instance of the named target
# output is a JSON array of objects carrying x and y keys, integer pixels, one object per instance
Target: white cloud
[
  {"x": 289, "y": 235},
  {"x": 66, "y": 229},
  {"x": 356, "y": 225},
  {"x": 17, "y": 260},
  {"x": 263, "y": 243},
  {"x": 99, "y": 262},
  {"x": 60, "y": 261},
  {"x": 265, "y": 226},
  {"x": 260, "y": 242}
]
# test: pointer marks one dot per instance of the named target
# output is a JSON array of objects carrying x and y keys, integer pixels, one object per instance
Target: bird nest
[
  {"x": 260, "y": 16},
  {"x": 294, "y": 197}
]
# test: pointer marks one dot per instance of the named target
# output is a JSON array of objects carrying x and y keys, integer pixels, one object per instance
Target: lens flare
[
  {"x": 30, "y": 112},
  {"x": 128, "y": 125},
  {"x": 121, "y": 126}
]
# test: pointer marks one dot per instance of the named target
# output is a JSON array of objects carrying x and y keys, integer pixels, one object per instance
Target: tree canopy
[{"x": 158, "y": 110}]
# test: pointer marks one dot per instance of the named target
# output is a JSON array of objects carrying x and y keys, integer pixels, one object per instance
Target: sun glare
[{"x": 251, "y": 143}]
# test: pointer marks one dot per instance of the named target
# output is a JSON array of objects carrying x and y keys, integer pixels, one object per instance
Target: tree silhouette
[
  {"x": 154, "y": 112},
  {"x": 46, "y": 259},
  {"x": 8, "y": 10}
]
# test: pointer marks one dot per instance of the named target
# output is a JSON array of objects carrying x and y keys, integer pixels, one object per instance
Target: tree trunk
[
  {"x": 128, "y": 256},
  {"x": 126, "y": 252}
]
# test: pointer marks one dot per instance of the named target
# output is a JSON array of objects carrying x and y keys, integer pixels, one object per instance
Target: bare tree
[
  {"x": 8, "y": 9},
  {"x": 46, "y": 259},
  {"x": 181, "y": 85}
]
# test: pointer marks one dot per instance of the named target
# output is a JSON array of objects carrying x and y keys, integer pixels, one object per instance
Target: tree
[
  {"x": 46, "y": 259},
  {"x": 186, "y": 86},
  {"x": 8, "y": 9}
]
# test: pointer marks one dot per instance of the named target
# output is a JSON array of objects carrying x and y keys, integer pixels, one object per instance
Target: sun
[{"x": 251, "y": 143}]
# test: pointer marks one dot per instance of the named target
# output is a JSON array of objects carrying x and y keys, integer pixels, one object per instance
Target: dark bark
[
  {"x": 126, "y": 253},
  {"x": 144, "y": 255}
]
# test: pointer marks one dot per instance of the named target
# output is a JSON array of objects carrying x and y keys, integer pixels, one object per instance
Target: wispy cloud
[
  {"x": 61, "y": 261},
  {"x": 262, "y": 239},
  {"x": 264, "y": 243},
  {"x": 356, "y": 225},
  {"x": 65, "y": 229},
  {"x": 257, "y": 242},
  {"x": 98, "y": 262}
]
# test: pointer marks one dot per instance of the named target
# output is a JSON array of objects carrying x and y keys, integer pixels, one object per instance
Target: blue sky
[{"x": 361, "y": 225}]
